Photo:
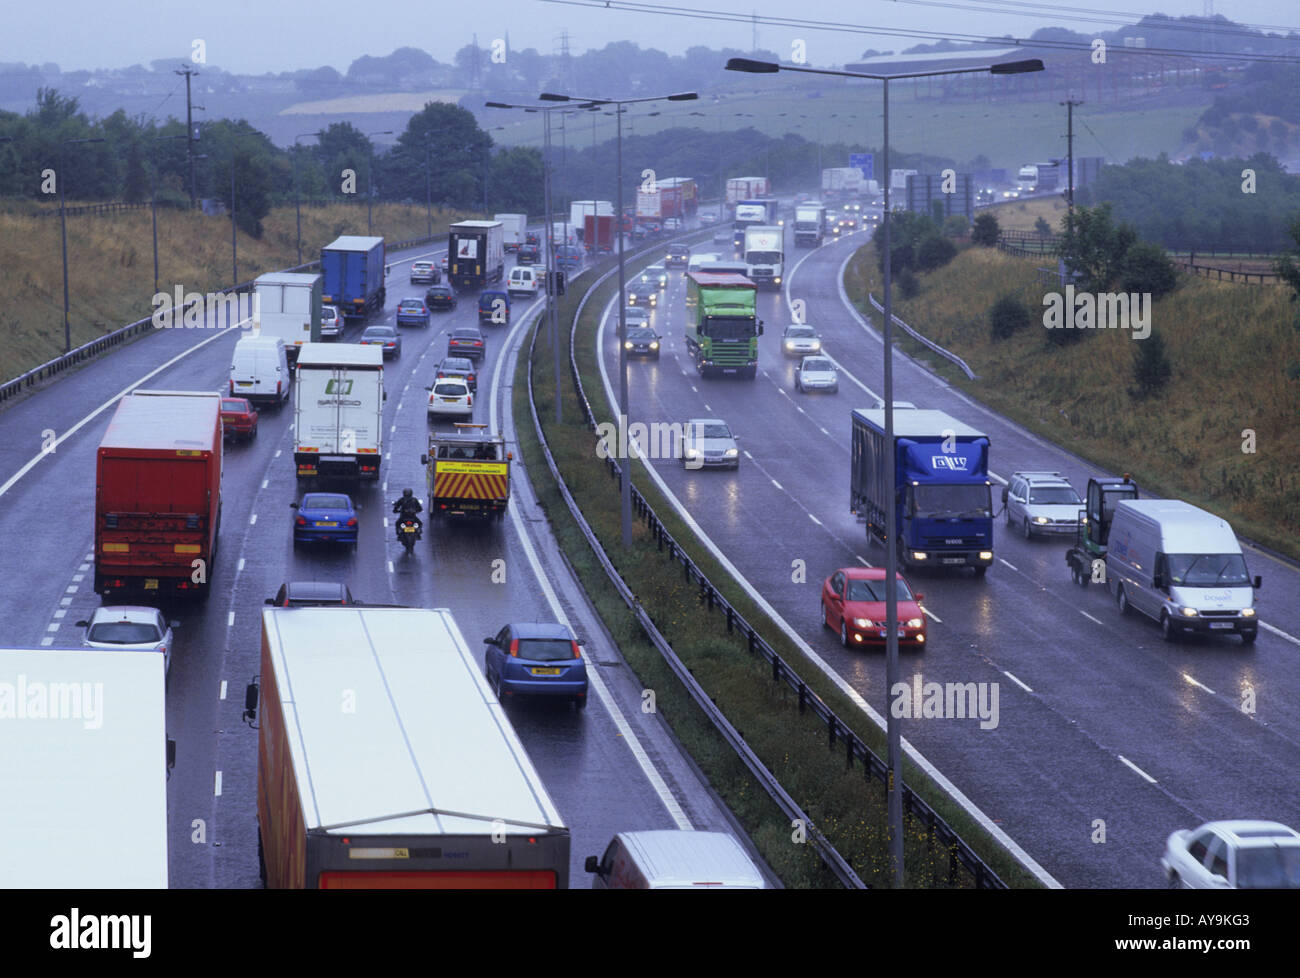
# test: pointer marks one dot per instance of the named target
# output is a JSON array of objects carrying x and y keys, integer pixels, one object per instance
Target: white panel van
[
  {"x": 1182, "y": 567},
  {"x": 674, "y": 860},
  {"x": 259, "y": 370},
  {"x": 524, "y": 280}
]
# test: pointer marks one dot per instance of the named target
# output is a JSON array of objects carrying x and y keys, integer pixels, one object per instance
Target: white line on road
[
  {"x": 252, "y": 519},
  {"x": 222, "y": 694},
  {"x": 1009, "y": 564},
  {"x": 815, "y": 520},
  {"x": 216, "y": 788},
  {"x": 1089, "y": 617},
  {"x": 240, "y": 565},
  {"x": 230, "y": 619},
  {"x": 1199, "y": 685},
  {"x": 1130, "y": 764},
  {"x": 1016, "y": 681}
]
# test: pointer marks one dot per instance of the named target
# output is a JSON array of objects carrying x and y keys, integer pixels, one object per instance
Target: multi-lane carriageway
[
  {"x": 1108, "y": 738},
  {"x": 609, "y": 768}
]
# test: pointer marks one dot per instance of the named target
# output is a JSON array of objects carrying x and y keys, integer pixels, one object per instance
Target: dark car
[
  {"x": 412, "y": 312},
  {"x": 328, "y": 517},
  {"x": 440, "y": 297},
  {"x": 311, "y": 594},
  {"x": 536, "y": 659},
  {"x": 458, "y": 367},
  {"x": 529, "y": 254},
  {"x": 642, "y": 293},
  {"x": 494, "y": 307},
  {"x": 238, "y": 417},
  {"x": 678, "y": 255},
  {"x": 466, "y": 341},
  {"x": 642, "y": 341},
  {"x": 532, "y": 238},
  {"x": 385, "y": 337}
]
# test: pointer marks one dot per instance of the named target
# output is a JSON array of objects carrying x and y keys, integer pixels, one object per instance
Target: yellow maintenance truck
[{"x": 468, "y": 473}]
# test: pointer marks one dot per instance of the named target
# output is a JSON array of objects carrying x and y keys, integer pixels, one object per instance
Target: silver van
[
  {"x": 259, "y": 370},
  {"x": 674, "y": 860},
  {"x": 1182, "y": 567}
]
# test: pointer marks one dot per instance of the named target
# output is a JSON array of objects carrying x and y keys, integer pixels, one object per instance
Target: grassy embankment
[
  {"x": 1229, "y": 346},
  {"x": 110, "y": 265},
  {"x": 841, "y": 803}
]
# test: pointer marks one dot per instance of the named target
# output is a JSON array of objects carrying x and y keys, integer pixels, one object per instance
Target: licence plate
[
  {"x": 449, "y": 400},
  {"x": 330, "y": 523},
  {"x": 1220, "y": 624},
  {"x": 954, "y": 560},
  {"x": 901, "y": 634},
  {"x": 151, "y": 584},
  {"x": 545, "y": 672},
  {"x": 243, "y": 383}
]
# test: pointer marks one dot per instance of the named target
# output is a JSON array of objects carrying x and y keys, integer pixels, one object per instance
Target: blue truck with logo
[
  {"x": 942, "y": 499},
  {"x": 353, "y": 271}
]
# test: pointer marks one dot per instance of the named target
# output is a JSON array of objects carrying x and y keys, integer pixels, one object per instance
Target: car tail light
[
  {"x": 514, "y": 647},
  {"x": 301, "y": 521},
  {"x": 469, "y": 400},
  {"x": 352, "y": 522},
  {"x": 577, "y": 654}
]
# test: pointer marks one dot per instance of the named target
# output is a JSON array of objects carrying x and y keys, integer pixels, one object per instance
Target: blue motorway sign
[{"x": 866, "y": 162}]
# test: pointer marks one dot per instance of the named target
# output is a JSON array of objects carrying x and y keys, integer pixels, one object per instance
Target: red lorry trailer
[
  {"x": 598, "y": 232},
  {"x": 158, "y": 494}
]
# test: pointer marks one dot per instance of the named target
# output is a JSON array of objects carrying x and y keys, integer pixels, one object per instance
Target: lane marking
[
  {"x": 1134, "y": 767},
  {"x": 1199, "y": 685},
  {"x": 222, "y": 693},
  {"x": 216, "y": 787},
  {"x": 1016, "y": 681}
]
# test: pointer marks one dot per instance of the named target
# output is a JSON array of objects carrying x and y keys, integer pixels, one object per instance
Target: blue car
[
  {"x": 328, "y": 517},
  {"x": 412, "y": 312},
  {"x": 536, "y": 659},
  {"x": 494, "y": 307}
]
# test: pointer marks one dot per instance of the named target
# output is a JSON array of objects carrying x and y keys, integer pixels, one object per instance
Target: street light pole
[
  {"x": 63, "y": 229},
  {"x": 370, "y": 178},
  {"x": 892, "y": 550},
  {"x": 297, "y": 201}
]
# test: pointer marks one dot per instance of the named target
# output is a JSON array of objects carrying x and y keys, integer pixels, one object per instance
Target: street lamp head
[
  {"x": 498, "y": 105},
  {"x": 752, "y": 66},
  {"x": 684, "y": 97},
  {"x": 553, "y": 97},
  {"x": 1016, "y": 67}
]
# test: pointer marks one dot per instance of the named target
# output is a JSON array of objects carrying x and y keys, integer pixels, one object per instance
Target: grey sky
[{"x": 257, "y": 36}]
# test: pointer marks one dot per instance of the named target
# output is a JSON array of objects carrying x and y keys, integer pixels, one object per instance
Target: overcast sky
[{"x": 256, "y": 36}]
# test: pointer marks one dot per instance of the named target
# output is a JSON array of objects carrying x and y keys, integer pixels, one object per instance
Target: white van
[
  {"x": 695, "y": 261},
  {"x": 523, "y": 280},
  {"x": 674, "y": 860},
  {"x": 259, "y": 370},
  {"x": 1182, "y": 567}
]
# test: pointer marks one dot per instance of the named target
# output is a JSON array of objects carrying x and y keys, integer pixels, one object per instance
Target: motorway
[
  {"x": 1107, "y": 738},
  {"x": 610, "y": 768}
]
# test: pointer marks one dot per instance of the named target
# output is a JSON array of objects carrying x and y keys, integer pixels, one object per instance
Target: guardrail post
[
  {"x": 730, "y": 616},
  {"x": 831, "y": 726},
  {"x": 802, "y": 689},
  {"x": 849, "y": 744}
]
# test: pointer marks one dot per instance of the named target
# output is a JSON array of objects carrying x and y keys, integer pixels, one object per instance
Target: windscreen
[
  {"x": 545, "y": 649},
  {"x": 1054, "y": 496},
  {"x": 951, "y": 501},
  {"x": 763, "y": 257},
  {"x": 124, "y": 633},
  {"x": 711, "y": 431},
  {"x": 875, "y": 590},
  {"x": 729, "y": 327},
  {"x": 324, "y": 501},
  {"x": 1208, "y": 570}
]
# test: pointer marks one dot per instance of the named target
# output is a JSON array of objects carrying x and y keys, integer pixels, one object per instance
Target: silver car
[
  {"x": 816, "y": 374},
  {"x": 1041, "y": 502},
  {"x": 798, "y": 340},
  {"x": 1242, "y": 854},
  {"x": 709, "y": 443},
  {"x": 636, "y": 316},
  {"x": 129, "y": 627},
  {"x": 331, "y": 323}
]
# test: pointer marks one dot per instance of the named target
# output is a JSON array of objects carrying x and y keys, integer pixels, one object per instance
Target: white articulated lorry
[
  {"x": 339, "y": 412},
  {"x": 83, "y": 769}
]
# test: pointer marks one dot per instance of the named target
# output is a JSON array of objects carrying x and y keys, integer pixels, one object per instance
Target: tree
[
  {"x": 933, "y": 251},
  {"x": 1007, "y": 315},
  {"x": 985, "y": 230},
  {"x": 1042, "y": 228},
  {"x": 956, "y": 226},
  {"x": 1093, "y": 247},
  {"x": 459, "y": 151},
  {"x": 908, "y": 284},
  {"x": 1151, "y": 367},
  {"x": 136, "y": 187},
  {"x": 1146, "y": 268},
  {"x": 515, "y": 181}
]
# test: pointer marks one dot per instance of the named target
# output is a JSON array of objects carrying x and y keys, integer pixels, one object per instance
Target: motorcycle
[{"x": 408, "y": 531}]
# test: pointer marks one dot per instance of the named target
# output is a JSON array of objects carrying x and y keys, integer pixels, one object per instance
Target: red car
[
  {"x": 853, "y": 601},
  {"x": 238, "y": 417}
]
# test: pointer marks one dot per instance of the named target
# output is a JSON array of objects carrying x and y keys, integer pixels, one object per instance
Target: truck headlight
[
  {"x": 1247, "y": 612},
  {"x": 1188, "y": 612},
  {"x": 692, "y": 453}
]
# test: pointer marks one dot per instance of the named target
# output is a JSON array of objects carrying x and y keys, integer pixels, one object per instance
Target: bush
[
  {"x": 1151, "y": 366},
  {"x": 908, "y": 284},
  {"x": 1146, "y": 268},
  {"x": 956, "y": 226},
  {"x": 934, "y": 251},
  {"x": 985, "y": 230},
  {"x": 1008, "y": 315}
]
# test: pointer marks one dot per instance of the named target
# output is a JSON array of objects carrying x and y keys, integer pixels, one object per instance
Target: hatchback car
[
  {"x": 440, "y": 297},
  {"x": 311, "y": 594},
  {"x": 412, "y": 312},
  {"x": 494, "y": 307},
  {"x": 799, "y": 341},
  {"x": 641, "y": 293},
  {"x": 709, "y": 443},
  {"x": 129, "y": 627},
  {"x": 636, "y": 316},
  {"x": 331, "y": 323},
  {"x": 325, "y": 517},
  {"x": 642, "y": 341},
  {"x": 1041, "y": 502},
  {"x": 384, "y": 336},
  {"x": 460, "y": 367},
  {"x": 425, "y": 271},
  {"x": 816, "y": 374},
  {"x": 450, "y": 395},
  {"x": 466, "y": 341},
  {"x": 536, "y": 659},
  {"x": 853, "y": 601},
  {"x": 529, "y": 254},
  {"x": 656, "y": 275},
  {"x": 238, "y": 418},
  {"x": 1233, "y": 855},
  {"x": 678, "y": 255}
]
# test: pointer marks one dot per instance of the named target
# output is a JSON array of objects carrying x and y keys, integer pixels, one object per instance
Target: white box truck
[
  {"x": 809, "y": 224},
  {"x": 1182, "y": 567},
  {"x": 83, "y": 769},
  {"x": 288, "y": 305},
  {"x": 513, "y": 227},
  {"x": 842, "y": 182},
  {"x": 764, "y": 255},
  {"x": 339, "y": 412},
  {"x": 421, "y": 784}
]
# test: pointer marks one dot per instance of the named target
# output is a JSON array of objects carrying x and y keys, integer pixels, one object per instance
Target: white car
[
  {"x": 709, "y": 443},
  {"x": 451, "y": 395},
  {"x": 636, "y": 316},
  {"x": 816, "y": 374},
  {"x": 1041, "y": 502},
  {"x": 1234, "y": 855},
  {"x": 798, "y": 340},
  {"x": 130, "y": 627},
  {"x": 331, "y": 323}
]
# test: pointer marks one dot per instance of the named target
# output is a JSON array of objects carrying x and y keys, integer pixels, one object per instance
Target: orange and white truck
[{"x": 468, "y": 473}]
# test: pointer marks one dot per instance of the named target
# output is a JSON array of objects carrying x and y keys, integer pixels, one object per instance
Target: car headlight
[
  {"x": 863, "y": 623},
  {"x": 732, "y": 452},
  {"x": 789, "y": 344},
  {"x": 816, "y": 344},
  {"x": 692, "y": 453},
  {"x": 627, "y": 345},
  {"x": 654, "y": 346},
  {"x": 914, "y": 622},
  {"x": 1041, "y": 519}
]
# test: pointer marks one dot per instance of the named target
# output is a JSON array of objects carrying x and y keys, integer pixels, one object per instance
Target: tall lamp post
[
  {"x": 370, "y": 177},
  {"x": 626, "y": 481},
  {"x": 63, "y": 227},
  {"x": 894, "y": 733},
  {"x": 297, "y": 200}
]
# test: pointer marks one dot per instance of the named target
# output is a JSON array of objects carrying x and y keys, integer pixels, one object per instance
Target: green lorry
[{"x": 722, "y": 325}]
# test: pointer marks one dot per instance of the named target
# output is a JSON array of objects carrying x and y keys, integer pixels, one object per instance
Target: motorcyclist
[{"x": 407, "y": 506}]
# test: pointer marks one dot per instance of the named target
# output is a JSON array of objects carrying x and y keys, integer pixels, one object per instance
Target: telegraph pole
[
  {"x": 189, "y": 72},
  {"x": 1069, "y": 155}
]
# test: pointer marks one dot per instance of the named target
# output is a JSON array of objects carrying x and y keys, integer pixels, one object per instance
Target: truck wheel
[
  {"x": 1121, "y": 599},
  {"x": 1007, "y": 510},
  {"x": 1167, "y": 630},
  {"x": 1248, "y": 638},
  {"x": 1077, "y": 577}
]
